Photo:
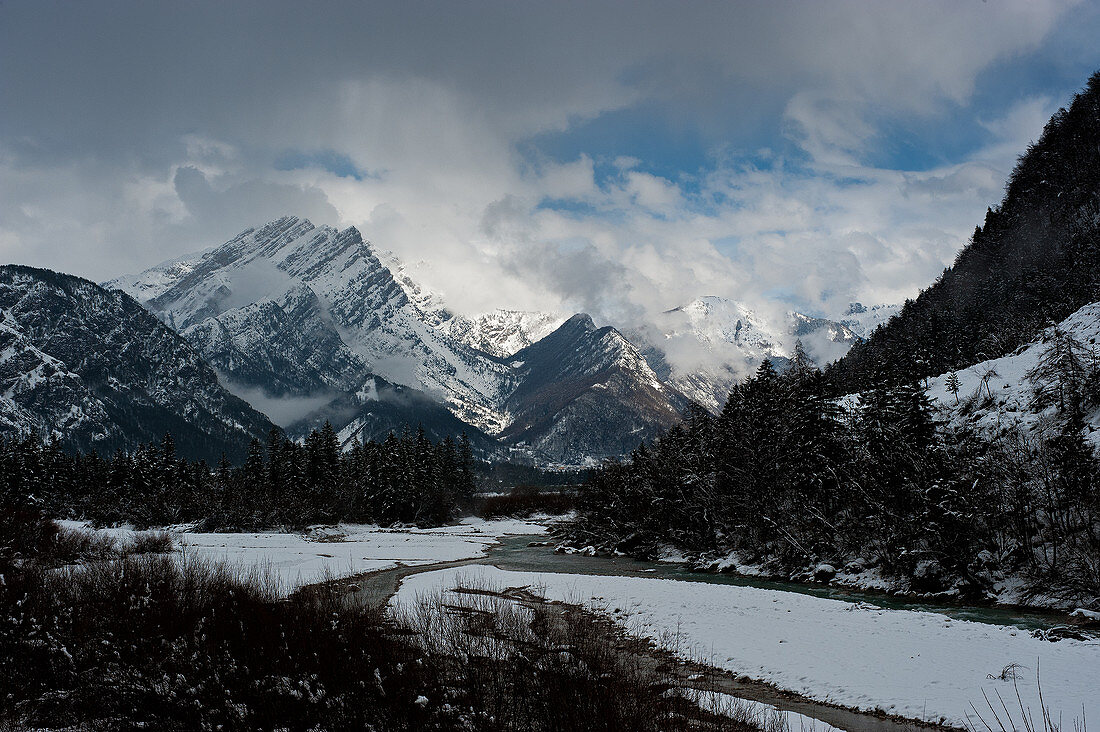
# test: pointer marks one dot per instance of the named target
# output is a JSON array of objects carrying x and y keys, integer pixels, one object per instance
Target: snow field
[
  {"x": 298, "y": 559},
  {"x": 1005, "y": 381},
  {"x": 918, "y": 665},
  {"x": 764, "y": 715}
]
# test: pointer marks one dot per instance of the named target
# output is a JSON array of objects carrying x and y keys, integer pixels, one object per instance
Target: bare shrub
[
  {"x": 72, "y": 545},
  {"x": 180, "y": 642},
  {"x": 524, "y": 501},
  {"x": 527, "y": 664},
  {"x": 152, "y": 542},
  {"x": 1001, "y": 716},
  {"x": 1011, "y": 672},
  {"x": 27, "y": 535}
]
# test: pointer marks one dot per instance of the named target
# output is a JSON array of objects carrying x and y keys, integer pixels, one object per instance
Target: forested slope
[{"x": 1034, "y": 261}]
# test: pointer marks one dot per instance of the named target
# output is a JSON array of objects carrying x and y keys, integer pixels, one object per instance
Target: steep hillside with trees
[
  {"x": 883, "y": 493},
  {"x": 1034, "y": 261}
]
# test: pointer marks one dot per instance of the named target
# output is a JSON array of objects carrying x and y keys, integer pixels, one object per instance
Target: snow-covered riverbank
[
  {"x": 919, "y": 665},
  {"x": 298, "y": 559}
]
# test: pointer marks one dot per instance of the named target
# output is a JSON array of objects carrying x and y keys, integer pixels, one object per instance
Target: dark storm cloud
[{"x": 235, "y": 207}]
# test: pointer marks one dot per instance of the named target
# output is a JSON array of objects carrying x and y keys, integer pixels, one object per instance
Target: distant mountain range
[
  {"x": 704, "y": 348},
  {"x": 293, "y": 314},
  {"x": 308, "y": 324}
]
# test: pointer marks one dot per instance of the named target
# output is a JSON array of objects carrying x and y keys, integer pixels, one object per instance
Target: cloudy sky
[{"x": 619, "y": 158}]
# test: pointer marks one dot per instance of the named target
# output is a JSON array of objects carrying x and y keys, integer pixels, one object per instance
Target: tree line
[
  {"x": 789, "y": 477},
  {"x": 403, "y": 479}
]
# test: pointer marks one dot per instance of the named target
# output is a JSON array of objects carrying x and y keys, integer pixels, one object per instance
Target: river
[
  {"x": 531, "y": 554},
  {"x": 517, "y": 553}
]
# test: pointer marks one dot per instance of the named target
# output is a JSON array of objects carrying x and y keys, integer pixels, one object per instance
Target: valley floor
[
  {"x": 297, "y": 559},
  {"x": 918, "y": 665}
]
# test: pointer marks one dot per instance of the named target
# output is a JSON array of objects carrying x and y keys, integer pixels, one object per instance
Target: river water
[{"x": 515, "y": 553}]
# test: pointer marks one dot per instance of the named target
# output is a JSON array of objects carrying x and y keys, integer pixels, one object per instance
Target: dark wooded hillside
[{"x": 1034, "y": 261}]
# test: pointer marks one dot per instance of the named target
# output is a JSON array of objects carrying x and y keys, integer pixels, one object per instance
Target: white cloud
[{"x": 438, "y": 105}]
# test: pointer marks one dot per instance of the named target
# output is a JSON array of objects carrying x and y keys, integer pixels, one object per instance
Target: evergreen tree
[
  {"x": 953, "y": 385},
  {"x": 1062, "y": 374}
]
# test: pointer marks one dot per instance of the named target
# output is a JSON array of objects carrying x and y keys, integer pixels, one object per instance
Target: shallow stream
[{"x": 515, "y": 553}]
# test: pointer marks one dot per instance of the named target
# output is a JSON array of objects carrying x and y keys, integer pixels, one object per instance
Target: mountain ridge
[
  {"x": 96, "y": 370},
  {"x": 296, "y": 310},
  {"x": 1033, "y": 261}
]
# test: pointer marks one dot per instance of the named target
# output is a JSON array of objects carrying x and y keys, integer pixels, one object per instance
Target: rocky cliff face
[{"x": 94, "y": 369}]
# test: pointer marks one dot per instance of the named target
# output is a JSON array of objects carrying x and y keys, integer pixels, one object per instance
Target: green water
[{"x": 513, "y": 553}]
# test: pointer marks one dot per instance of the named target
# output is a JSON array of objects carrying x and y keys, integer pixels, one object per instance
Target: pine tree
[
  {"x": 953, "y": 385},
  {"x": 1062, "y": 373},
  {"x": 255, "y": 493}
]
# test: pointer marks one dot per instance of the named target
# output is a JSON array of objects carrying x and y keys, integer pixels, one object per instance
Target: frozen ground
[
  {"x": 915, "y": 664},
  {"x": 344, "y": 549}
]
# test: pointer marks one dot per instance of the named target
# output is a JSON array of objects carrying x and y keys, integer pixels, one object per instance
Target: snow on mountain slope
[
  {"x": 716, "y": 320},
  {"x": 432, "y": 308},
  {"x": 358, "y": 302},
  {"x": 997, "y": 396},
  {"x": 499, "y": 333},
  {"x": 27, "y": 372},
  {"x": 286, "y": 346},
  {"x": 705, "y": 347},
  {"x": 502, "y": 332},
  {"x": 863, "y": 320},
  {"x": 154, "y": 281},
  {"x": 96, "y": 370}
]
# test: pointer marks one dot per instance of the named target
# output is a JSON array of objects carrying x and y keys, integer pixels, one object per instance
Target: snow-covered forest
[{"x": 880, "y": 490}]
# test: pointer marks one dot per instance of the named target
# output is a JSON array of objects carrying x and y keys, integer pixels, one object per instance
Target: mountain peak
[{"x": 581, "y": 321}]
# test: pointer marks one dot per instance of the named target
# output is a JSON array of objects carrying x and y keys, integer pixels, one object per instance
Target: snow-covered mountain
[
  {"x": 96, "y": 370},
  {"x": 329, "y": 284},
  {"x": 705, "y": 347},
  {"x": 587, "y": 386},
  {"x": 502, "y": 332},
  {"x": 312, "y": 316},
  {"x": 863, "y": 320}
]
